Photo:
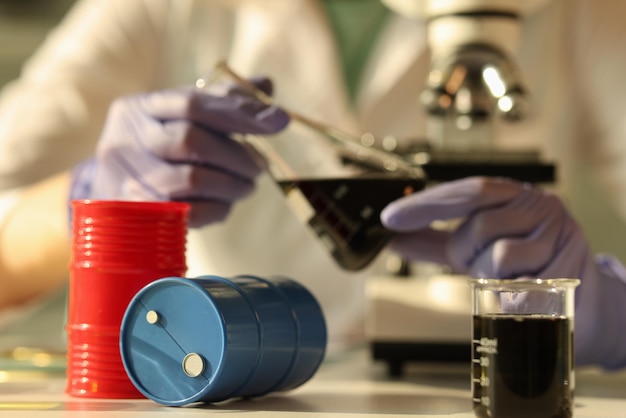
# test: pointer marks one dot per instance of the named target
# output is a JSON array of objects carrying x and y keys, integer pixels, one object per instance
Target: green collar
[{"x": 356, "y": 25}]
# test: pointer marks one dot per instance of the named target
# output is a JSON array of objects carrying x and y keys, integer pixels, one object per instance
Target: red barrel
[{"x": 118, "y": 247}]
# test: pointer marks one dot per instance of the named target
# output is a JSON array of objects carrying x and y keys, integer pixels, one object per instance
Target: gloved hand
[
  {"x": 509, "y": 230},
  {"x": 175, "y": 145}
]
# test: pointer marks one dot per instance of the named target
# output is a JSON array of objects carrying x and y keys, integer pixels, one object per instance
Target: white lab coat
[{"x": 50, "y": 119}]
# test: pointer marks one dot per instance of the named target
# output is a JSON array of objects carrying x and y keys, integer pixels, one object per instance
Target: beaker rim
[{"x": 524, "y": 282}]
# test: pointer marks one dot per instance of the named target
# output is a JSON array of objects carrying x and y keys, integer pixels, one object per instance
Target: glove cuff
[
  {"x": 80, "y": 187},
  {"x": 82, "y": 179},
  {"x": 609, "y": 339}
]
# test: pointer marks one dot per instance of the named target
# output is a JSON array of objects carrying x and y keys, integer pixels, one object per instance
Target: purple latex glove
[
  {"x": 509, "y": 230},
  {"x": 175, "y": 145}
]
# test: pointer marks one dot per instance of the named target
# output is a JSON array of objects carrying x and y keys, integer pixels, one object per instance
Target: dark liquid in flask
[
  {"x": 345, "y": 212},
  {"x": 521, "y": 367}
]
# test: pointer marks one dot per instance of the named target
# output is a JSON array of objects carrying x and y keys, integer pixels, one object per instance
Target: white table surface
[{"x": 349, "y": 386}]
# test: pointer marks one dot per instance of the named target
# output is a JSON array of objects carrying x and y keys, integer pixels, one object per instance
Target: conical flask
[{"x": 334, "y": 184}]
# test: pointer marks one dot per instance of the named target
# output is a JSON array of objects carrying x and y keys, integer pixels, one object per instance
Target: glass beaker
[
  {"x": 332, "y": 182},
  {"x": 522, "y": 348}
]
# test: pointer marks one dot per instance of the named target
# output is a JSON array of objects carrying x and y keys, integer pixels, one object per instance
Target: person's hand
[
  {"x": 508, "y": 229},
  {"x": 176, "y": 145}
]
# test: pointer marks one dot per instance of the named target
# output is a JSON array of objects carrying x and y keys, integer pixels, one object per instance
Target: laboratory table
[{"x": 347, "y": 385}]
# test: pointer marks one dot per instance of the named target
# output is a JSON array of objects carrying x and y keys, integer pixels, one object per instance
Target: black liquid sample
[
  {"x": 521, "y": 367},
  {"x": 345, "y": 212}
]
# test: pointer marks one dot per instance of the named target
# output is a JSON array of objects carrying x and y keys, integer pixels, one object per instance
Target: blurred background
[{"x": 23, "y": 26}]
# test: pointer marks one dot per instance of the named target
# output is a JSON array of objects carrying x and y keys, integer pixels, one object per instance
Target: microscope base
[
  {"x": 397, "y": 353},
  {"x": 422, "y": 320}
]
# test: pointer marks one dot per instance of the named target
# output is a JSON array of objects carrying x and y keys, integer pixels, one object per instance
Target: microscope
[{"x": 422, "y": 313}]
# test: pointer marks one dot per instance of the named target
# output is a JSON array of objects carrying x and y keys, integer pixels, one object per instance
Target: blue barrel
[{"x": 211, "y": 339}]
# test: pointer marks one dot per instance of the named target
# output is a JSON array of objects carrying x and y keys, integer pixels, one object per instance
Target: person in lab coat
[{"x": 361, "y": 75}]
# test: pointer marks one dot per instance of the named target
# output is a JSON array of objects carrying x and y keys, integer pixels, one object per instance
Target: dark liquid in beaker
[
  {"x": 345, "y": 213},
  {"x": 521, "y": 367}
]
